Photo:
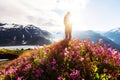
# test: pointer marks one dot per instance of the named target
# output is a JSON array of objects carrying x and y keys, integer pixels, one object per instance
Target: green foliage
[{"x": 9, "y": 51}]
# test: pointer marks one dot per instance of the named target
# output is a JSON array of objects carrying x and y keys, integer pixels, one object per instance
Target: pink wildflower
[
  {"x": 81, "y": 59},
  {"x": 114, "y": 51},
  {"x": 59, "y": 78},
  {"x": 53, "y": 68},
  {"x": 0, "y": 72},
  {"x": 19, "y": 78},
  {"x": 38, "y": 72},
  {"x": 100, "y": 41},
  {"x": 54, "y": 61},
  {"x": 9, "y": 72},
  {"x": 66, "y": 50},
  {"x": 75, "y": 74},
  {"x": 28, "y": 66},
  {"x": 105, "y": 61}
]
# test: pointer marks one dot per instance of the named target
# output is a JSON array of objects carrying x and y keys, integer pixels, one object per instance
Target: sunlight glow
[
  {"x": 75, "y": 7},
  {"x": 75, "y": 22}
]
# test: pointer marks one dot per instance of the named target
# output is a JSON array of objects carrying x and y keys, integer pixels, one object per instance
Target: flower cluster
[{"x": 66, "y": 60}]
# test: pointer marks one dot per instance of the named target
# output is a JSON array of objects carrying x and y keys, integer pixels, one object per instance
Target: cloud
[{"x": 43, "y": 13}]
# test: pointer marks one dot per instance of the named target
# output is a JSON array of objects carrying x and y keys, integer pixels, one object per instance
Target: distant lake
[
  {"x": 18, "y": 47},
  {"x": 4, "y": 59}
]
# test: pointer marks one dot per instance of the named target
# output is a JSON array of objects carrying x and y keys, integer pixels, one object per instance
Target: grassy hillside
[
  {"x": 66, "y": 60},
  {"x": 10, "y": 55}
]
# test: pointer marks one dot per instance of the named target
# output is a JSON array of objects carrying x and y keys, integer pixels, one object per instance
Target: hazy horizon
[{"x": 97, "y": 15}]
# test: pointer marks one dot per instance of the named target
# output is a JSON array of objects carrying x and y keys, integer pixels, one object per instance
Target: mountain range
[
  {"x": 15, "y": 34},
  {"x": 94, "y": 37},
  {"x": 114, "y": 35}
]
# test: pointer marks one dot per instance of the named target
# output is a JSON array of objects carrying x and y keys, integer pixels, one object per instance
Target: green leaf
[
  {"x": 36, "y": 61},
  {"x": 97, "y": 76}
]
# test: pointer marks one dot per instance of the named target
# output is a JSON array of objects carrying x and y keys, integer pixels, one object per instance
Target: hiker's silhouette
[{"x": 68, "y": 26}]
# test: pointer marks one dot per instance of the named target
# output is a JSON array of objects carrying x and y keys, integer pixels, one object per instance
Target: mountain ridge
[
  {"x": 93, "y": 36},
  {"x": 114, "y": 35},
  {"x": 23, "y": 35}
]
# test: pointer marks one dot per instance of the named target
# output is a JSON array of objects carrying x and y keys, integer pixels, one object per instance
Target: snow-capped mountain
[
  {"x": 93, "y": 36},
  {"x": 15, "y": 34},
  {"x": 114, "y": 35}
]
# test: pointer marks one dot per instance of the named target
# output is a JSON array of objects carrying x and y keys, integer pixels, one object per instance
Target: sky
[{"x": 98, "y": 15}]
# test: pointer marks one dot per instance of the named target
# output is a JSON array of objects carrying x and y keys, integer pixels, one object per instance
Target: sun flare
[{"x": 74, "y": 8}]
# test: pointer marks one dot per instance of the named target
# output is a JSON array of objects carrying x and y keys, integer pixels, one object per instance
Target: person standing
[{"x": 68, "y": 25}]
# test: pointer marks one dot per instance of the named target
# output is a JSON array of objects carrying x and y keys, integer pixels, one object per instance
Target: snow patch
[
  {"x": 115, "y": 30},
  {"x": 24, "y": 42},
  {"x": 14, "y": 38},
  {"x": 23, "y": 36}
]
